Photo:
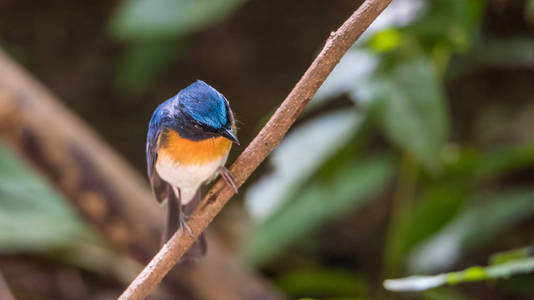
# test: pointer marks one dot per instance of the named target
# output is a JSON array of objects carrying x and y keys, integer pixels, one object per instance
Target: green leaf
[
  {"x": 294, "y": 163},
  {"x": 487, "y": 216},
  {"x": 33, "y": 215},
  {"x": 507, "y": 256},
  {"x": 470, "y": 165},
  {"x": 409, "y": 105},
  {"x": 503, "y": 160},
  {"x": 385, "y": 40},
  {"x": 352, "y": 185},
  {"x": 447, "y": 195},
  {"x": 322, "y": 283},
  {"x": 156, "y": 19},
  {"x": 419, "y": 221},
  {"x": 472, "y": 274},
  {"x": 450, "y": 22},
  {"x": 156, "y": 28},
  {"x": 143, "y": 61}
]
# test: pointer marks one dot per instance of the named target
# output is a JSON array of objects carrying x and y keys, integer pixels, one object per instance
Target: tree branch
[{"x": 263, "y": 144}]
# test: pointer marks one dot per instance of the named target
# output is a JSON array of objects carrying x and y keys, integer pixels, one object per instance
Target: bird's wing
[{"x": 159, "y": 186}]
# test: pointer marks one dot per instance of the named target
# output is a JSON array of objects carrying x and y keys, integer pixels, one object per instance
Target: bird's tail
[
  {"x": 174, "y": 210},
  {"x": 173, "y": 215},
  {"x": 199, "y": 247}
]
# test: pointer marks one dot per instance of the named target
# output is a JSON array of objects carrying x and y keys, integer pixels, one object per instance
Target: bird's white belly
[{"x": 187, "y": 178}]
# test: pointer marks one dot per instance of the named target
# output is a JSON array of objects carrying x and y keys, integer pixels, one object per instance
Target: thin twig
[{"x": 263, "y": 144}]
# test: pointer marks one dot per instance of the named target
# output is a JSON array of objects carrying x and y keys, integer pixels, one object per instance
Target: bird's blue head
[
  {"x": 204, "y": 104},
  {"x": 208, "y": 108}
]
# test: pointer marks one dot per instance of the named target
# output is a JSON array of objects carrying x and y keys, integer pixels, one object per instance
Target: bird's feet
[
  {"x": 228, "y": 177},
  {"x": 183, "y": 224}
]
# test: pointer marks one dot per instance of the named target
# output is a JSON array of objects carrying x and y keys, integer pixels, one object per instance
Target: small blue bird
[{"x": 189, "y": 138}]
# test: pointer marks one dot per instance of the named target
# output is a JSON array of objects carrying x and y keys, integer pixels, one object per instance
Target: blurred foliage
[
  {"x": 154, "y": 31},
  {"x": 143, "y": 60},
  {"x": 445, "y": 202},
  {"x": 477, "y": 224},
  {"x": 33, "y": 215},
  {"x": 501, "y": 270},
  {"x": 323, "y": 283},
  {"x": 36, "y": 219},
  {"x": 408, "y": 104},
  {"x": 349, "y": 187},
  {"x": 403, "y": 179},
  {"x": 507, "y": 52},
  {"x": 529, "y": 11},
  {"x": 294, "y": 166},
  {"x": 157, "y": 19}
]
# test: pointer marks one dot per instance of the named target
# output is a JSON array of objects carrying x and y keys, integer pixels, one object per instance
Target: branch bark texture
[{"x": 263, "y": 144}]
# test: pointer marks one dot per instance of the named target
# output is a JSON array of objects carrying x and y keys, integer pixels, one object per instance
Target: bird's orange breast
[{"x": 187, "y": 152}]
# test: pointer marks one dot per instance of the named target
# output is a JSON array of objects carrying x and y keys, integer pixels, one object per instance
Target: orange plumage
[{"x": 187, "y": 152}]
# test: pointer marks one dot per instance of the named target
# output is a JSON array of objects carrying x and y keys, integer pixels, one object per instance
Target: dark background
[{"x": 254, "y": 56}]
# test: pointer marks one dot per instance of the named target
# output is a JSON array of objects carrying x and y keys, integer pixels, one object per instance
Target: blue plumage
[
  {"x": 204, "y": 104},
  {"x": 198, "y": 102},
  {"x": 195, "y": 114},
  {"x": 160, "y": 116}
]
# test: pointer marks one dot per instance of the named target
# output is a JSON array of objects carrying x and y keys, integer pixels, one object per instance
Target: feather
[
  {"x": 186, "y": 145},
  {"x": 174, "y": 214},
  {"x": 199, "y": 247}
]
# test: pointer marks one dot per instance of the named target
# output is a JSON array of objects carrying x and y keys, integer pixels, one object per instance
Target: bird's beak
[{"x": 229, "y": 134}]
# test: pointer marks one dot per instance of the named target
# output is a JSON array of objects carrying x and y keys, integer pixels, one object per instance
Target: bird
[{"x": 188, "y": 141}]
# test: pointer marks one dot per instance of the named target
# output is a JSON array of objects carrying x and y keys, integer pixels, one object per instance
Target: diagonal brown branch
[{"x": 263, "y": 144}]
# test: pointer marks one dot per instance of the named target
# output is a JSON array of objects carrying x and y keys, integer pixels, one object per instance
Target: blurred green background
[{"x": 415, "y": 157}]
